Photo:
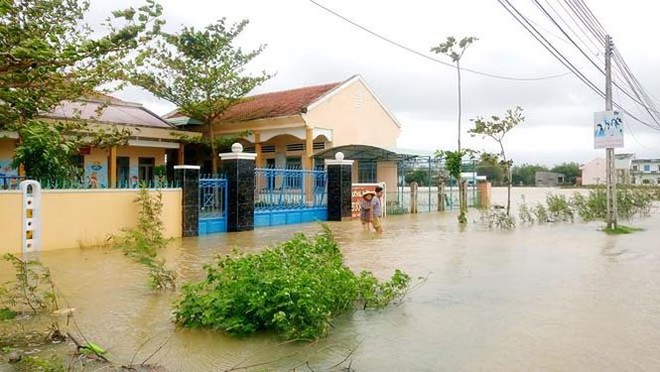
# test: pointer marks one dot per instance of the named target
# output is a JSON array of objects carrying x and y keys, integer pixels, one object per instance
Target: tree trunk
[{"x": 214, "y": 155}]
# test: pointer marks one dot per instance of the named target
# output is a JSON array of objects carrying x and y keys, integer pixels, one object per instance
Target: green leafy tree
[
  {"x": 421, "y": 176},
  {"x": 490, "y": 167},
  {"x": 455, "y": 50},
  {"x": 525, "y": 174},
  {"x": 49, "y": 55},
  {"x": 496, "y": 128},
  {"x": 571, "y": 172},
  {"x": 202, "y": 72},
  {"x": 454, "y": 165}
]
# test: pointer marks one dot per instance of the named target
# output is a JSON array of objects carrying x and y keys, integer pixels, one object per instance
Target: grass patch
[
  {"x": 621, "y": 230},
  {"x": 7, "y": 314}
]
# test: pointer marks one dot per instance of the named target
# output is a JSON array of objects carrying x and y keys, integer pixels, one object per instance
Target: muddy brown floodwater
[{"x": 550, "y": 297}]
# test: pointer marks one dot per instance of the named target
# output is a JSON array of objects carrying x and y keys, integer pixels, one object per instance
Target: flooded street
[{"x": 550, "y": 297}]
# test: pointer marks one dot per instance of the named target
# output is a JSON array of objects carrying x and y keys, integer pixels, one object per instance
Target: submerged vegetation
[
  {"x": 621, "y": 230},
  {"x": 31, "y": 291},
  {"x": 143, "y": 242},
  {"x": 294, "y": 289},
  {"x": 631, "y": 202}
]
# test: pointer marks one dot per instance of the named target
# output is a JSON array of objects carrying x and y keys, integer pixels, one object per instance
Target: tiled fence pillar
[
  {"x": 187, "y": 176},
  {"x": 340, "y": 184},
  {"x": 238, "y": 167}
]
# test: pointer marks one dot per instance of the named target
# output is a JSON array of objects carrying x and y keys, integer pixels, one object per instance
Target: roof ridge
[{"x": 337, "y": 83}]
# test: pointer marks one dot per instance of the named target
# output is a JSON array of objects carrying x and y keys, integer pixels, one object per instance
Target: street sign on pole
[{"x": 608, "y": 130}]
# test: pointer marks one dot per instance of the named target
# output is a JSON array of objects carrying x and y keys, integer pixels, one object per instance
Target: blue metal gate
[
  {"x": 212, "y": 205},
  {"x": 289, "y": 196}
]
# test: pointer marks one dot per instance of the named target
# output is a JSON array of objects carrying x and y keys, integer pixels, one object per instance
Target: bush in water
[
  {"x": 143, "y": 242},
  {"x": 631, "y": 202},
  {"x": 294, "y": 289}
]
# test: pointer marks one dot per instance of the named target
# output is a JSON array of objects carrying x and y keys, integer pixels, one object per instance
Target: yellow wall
[
  {"x": 73, "y": 218},
  {"x": 355, "y": 117},
  {"x": 10, "y": 215},
  {"x": 386, "y": 172}
]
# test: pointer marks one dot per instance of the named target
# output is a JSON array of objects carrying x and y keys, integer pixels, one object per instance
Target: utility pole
[{"x": 610, "y": 170}]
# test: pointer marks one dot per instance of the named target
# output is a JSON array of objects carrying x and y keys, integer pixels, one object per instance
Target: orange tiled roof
[{"x": 276, "y": 104}]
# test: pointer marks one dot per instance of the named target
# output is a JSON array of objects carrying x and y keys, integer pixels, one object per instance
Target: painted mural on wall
[
  {"x": 96, "y": 174},
  {"x": 6, "y": 170},
  {"x": 8, "y": 175}
]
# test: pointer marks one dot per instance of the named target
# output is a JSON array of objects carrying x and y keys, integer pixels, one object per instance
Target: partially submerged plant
[
  {"x": 143, "y": 242},
  {"x": 294, "y": 289}
]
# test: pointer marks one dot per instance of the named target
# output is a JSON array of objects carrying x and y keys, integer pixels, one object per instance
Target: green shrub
[
  {"x": 524, "y": 213},
  {"x": 541, "y": 213},
  {"x": 32, "y": 290},
  {"x": 559, "y": 208},
  {"x": 631, "y": 202},
  {"x": 294, "y": 289},
  {"x": 497, "y": 218},
  {"x": 143, "y": 242}
]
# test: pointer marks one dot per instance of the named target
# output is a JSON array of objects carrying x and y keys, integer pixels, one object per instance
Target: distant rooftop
[
  {"x": 107, "y": 109},
  {"x": 267, "y": 105}
]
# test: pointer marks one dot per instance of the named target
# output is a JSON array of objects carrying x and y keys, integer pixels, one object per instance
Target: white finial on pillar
[
  {"x": 339, "y": 156},
  {"x": 236, "y": 147}
]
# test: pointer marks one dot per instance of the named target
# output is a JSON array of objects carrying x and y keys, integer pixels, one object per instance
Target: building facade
[
  {"x": 645, "y": 172},
  {"x": 286, "y": 129},
  {"x": 153, "y": 144},
  {"x": 548, "y": 179}
]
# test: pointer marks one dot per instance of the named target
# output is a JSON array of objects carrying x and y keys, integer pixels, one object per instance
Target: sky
[{"x": 305, "y": 45}]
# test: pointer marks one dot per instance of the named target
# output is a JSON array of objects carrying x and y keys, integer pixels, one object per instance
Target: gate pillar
[
  {"x": 340, "y": 185},
  {"x": 238, "y": 167},
  {"x": 187, "y": 177}
]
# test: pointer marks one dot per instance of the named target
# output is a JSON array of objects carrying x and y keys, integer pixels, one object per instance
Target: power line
[
  {"x": 423, "y": 55},
  {"x": 635, "y": 98},
  {"x": 518, "y": 16}
]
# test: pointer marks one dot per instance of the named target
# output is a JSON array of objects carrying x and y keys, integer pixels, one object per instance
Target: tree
[
  {"x": 202, "y": 72},
  {"x": 455, "y": 51},
  {"x": 49, "y": 55},
  {"x": 525, "y": 174},
  {"x": 496, "y": 128},
  {"x": 489, "y": 166},
  {"x": 453, "y": 164},
  {"x": 571, "y": 172},
  {"x": 421, "y": 176}
]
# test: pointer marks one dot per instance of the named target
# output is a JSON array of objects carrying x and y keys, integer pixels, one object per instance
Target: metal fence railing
[
  {"x": 12, "y": 182},
  {"x": 278, "y": 189},
  {"x": 212, "y": 198}
]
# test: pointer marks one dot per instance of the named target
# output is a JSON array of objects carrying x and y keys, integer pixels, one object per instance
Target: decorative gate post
[
  {"x": 340, "y": 185},
  {"x": 187, "y": 176},
  {"x": 238, "y": 167},
  {"x": 31, "y": 238}
]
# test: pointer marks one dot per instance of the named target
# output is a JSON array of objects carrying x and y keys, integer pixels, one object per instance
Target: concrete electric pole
[{"x": 610, "y": 169}]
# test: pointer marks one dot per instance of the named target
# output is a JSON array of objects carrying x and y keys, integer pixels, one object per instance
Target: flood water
[{"x": 550, "y": 297}]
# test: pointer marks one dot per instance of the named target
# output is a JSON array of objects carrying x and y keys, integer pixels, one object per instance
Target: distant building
[
  {"x": 623, "y": 166},
  {"x": 548, "y": 179},
  {"x": 645, "y": 172},
  {"x": 593, "y": 172}
]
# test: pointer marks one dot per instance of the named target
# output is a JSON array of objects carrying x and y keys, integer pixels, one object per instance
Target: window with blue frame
[
  {"x": 647, "y": 168},
  {"x": 367, "y": 172}
]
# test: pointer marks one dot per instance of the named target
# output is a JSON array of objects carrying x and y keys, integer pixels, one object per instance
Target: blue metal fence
[
  {"x": 212, "y": 205},
  {"x": 11, "y": 183},
  {"x": 288, "y": 196}
]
